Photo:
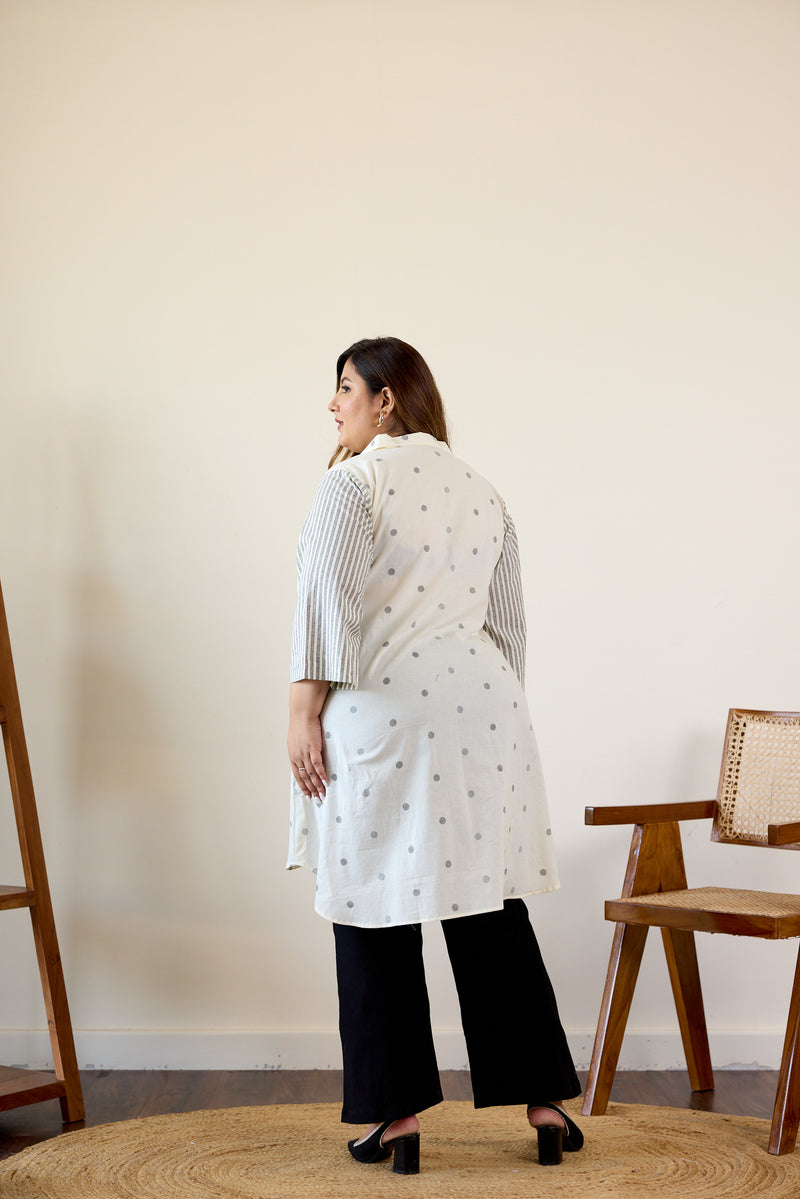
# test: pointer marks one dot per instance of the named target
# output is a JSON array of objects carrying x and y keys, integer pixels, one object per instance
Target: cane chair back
[{"x": 759, "y": 782}]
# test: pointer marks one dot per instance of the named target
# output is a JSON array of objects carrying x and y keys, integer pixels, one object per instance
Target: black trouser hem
[{"x": 517, "y": 1049}]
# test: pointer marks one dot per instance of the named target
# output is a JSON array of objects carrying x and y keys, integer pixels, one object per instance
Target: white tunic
[{"x": 410, "y": 604}]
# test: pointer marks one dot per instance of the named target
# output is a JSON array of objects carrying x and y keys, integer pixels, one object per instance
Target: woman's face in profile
[{"x": 355, "y": 410}]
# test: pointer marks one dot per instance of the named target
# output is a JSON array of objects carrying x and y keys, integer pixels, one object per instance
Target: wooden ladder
[{"x": 19, "y": 1087}]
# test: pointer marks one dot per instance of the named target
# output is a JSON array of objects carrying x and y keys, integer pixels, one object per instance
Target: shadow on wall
[{"x": 156, "y": 885}]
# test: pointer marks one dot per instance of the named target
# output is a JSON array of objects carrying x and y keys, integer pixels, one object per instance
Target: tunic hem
[{"x": 476, "y": 911}]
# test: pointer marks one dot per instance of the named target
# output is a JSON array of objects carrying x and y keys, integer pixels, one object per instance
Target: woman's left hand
[{"x": 304, "y": 742}]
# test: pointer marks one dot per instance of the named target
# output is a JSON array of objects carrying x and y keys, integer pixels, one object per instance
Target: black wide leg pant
[{"x": 517, "y": 1049}]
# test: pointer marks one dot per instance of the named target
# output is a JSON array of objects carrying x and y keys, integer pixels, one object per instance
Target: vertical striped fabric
[
  {"x": 334, "y": 555},
  {"x": 505, "y": 617}
]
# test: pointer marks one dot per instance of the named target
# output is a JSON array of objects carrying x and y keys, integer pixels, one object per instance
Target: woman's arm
[
  {"x": 334, "y": 557},
  {"x": 306, "y": 699}
]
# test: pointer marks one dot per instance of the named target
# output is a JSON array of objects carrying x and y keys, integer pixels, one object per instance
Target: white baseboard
[{"x": 318, "y": 1049}]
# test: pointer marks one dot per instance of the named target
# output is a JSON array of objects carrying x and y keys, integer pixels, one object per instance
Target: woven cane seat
[{"x": 713, "y": 909}]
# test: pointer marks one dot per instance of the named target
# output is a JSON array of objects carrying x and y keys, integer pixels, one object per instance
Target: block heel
[
  {"x": 406, "y": 1154},
  {"x": 550, "y": 1144},
  {"x": 555, "y": 1139}
]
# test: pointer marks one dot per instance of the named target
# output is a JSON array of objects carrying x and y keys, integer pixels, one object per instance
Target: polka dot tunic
[{"x": 410, "y": 605}]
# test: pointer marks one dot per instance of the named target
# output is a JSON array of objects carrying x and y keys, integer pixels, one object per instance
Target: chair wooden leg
[
  {"x": 786, "y": 1113},
  {"x": 623, "y": 970},
  {"x": 684, "y": 975}
]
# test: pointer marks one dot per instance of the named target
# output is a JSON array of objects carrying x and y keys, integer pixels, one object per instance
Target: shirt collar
[{"x": 384, "y": 442}]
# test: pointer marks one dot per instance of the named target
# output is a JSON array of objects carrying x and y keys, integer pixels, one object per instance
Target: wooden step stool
[{"x": 19, "y": 1087}]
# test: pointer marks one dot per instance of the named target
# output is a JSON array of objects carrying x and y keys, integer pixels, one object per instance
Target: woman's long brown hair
[{"x": 388, "y": 362}]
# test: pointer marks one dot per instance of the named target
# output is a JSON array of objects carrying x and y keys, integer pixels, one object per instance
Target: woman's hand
[{"x": 304, "y": 742}]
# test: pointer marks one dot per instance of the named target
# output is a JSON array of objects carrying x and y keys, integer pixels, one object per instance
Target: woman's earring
[{"x": 380, "y": 419}]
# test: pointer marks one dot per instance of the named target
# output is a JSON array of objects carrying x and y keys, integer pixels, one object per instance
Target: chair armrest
[
  {"x": 655, "y": 813},
  {"x": 783, "y": 834}
]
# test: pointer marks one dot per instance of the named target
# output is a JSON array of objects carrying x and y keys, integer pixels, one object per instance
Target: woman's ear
[{"x": 387, "y": 403}]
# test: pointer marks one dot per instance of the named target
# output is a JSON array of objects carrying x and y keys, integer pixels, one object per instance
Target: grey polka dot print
[{"x": 436, "y": 806}]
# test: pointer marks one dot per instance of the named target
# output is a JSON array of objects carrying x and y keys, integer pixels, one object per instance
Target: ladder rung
[
  {"x": 19, "y": 1087},
  {"x": 16, "y": 897}
]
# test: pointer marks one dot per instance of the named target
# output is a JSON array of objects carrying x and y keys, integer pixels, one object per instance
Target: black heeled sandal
[
  {"x": 370, "y": 1149},
  {"x": 373, "y": 1149},
  {"x": 555, "y": 1138}
]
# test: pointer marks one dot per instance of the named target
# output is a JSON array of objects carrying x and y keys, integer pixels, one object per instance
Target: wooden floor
[{"x": 126, "y": 1094}]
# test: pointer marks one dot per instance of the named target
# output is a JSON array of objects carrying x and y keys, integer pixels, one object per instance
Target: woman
[{"x": 417, "y": 790}]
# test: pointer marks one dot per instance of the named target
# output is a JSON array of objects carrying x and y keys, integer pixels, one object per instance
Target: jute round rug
[{"x": 288, "y": 1150}]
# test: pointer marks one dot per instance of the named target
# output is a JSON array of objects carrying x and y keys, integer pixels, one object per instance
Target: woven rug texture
[{"x": 292, "y": 1150}]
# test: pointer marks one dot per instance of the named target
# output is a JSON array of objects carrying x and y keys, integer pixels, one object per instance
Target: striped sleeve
[
  {"x": 505, "y": 615},
  {"x": 334, "y": 555}
]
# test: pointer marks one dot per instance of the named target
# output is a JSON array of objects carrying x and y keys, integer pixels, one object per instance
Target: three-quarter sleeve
[
  {"x": 334, "y": 555},
  {"x": 505, "y": 615}
]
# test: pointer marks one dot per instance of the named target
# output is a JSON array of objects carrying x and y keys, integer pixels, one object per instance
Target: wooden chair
[{"x": 758, "y": 803}]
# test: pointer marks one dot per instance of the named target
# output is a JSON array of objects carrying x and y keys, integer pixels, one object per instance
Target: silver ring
[{"x": 301, "y": 770}]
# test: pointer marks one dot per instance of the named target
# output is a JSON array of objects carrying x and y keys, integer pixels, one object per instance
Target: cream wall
[{"x": 585, "y": 215}]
